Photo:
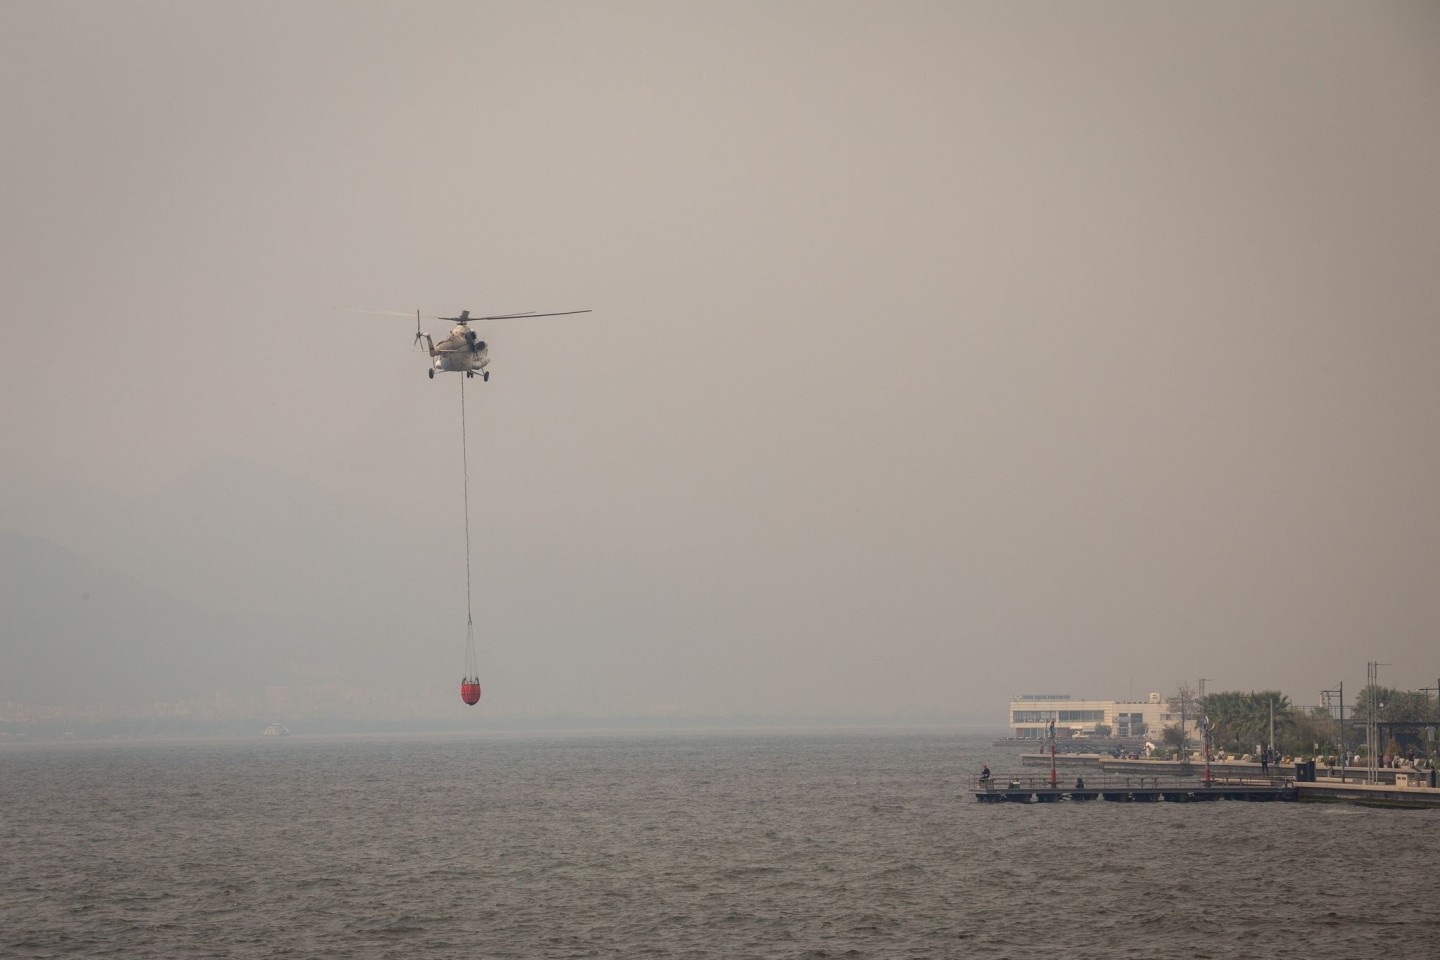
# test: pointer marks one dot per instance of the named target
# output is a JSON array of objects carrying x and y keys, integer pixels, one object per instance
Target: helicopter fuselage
[{"x": 461, "y": 352}]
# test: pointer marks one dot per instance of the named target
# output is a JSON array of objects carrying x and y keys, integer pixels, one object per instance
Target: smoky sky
[{"x": 940, "y": 351}]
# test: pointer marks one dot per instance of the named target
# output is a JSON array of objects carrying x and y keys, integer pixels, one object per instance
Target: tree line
[{"x": 1241, "y": 722}]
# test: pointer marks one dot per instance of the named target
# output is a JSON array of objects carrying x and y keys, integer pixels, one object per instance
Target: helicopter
[{"x": 462, "y": 351}]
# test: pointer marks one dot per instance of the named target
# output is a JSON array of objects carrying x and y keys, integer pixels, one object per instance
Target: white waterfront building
[{"x": 1031, "y": 713}]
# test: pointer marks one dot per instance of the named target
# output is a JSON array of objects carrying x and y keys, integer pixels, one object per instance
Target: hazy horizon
[{"x": 940, "y": 352}]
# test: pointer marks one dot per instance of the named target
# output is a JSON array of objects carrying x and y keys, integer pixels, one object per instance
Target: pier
[
  {"x": 1136, "y": 789},
  {"x": 1141, "y": 781}
]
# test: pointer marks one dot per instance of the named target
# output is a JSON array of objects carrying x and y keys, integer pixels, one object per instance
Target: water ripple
[{"x": 861, "y": 845}]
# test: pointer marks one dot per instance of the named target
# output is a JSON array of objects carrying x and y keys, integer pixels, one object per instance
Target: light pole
[
  {"x": 1340, "y": 745},
  {"x": 1430, "y": 731},
  {"x": 1052, "y": 754},
  {"x": 1272, "y": 727},
  {"x": 1205, "y": 716},
  {"x": 1182, "y": 752},
  {"x": 1372, "y": 720},
  {"x": 1371, "y": 669},
  {"x": 1205, "y": 723},
  {"x": 1179, "y": 747}
]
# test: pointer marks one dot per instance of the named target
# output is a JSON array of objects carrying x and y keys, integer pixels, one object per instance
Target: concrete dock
[{"x": 1397, "y": 795}]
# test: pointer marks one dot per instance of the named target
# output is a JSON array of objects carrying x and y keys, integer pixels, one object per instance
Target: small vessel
[{"x": 277, "y": 730}]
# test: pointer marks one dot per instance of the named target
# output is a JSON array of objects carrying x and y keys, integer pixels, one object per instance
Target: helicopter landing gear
[
  {"x": 469, "y": 374},
  {"x": 432, "y": 373},
  {"x": 485, "y": 376}
]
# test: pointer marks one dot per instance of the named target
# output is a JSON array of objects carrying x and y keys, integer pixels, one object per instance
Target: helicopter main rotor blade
[
  {"x": 431, "y": 316},
  {"x": 378, "y": 313},
  {"x": 516, "y": 316}
]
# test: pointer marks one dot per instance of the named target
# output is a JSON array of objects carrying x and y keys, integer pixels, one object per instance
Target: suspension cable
[{"x": 470, "y": 664}]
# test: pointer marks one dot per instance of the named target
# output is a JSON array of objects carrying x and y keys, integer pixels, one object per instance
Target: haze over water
[
  {"x": 785, "y": 844},
  {"x": 941, "y": 352}
]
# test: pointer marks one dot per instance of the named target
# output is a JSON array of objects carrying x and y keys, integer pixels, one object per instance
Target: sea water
[{"x": 811, "y": 844}]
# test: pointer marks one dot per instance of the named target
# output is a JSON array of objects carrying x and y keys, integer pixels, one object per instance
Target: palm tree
[
  {"x": 1226, "y": 711},
  {"x": 1239, "y": 721}
]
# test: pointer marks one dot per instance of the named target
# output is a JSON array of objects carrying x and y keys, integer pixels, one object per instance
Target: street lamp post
[
  {"x": 1052, "y": 754},
  {"x": 1180, "y": 751},
  {"x": 1272, "y": 727},
  {"x": 1205, "y": 723},
  {"x": 1430, "y": 731},
  {"x": 1372, "y": 669},
  {"x": 1340, "y": 744}
]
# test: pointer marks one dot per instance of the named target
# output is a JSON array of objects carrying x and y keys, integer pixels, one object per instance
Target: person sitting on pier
[{"x": 985, "y": 774}]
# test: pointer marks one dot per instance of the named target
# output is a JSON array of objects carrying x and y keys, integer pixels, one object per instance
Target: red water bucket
[{"x": 470, "y": 691}]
